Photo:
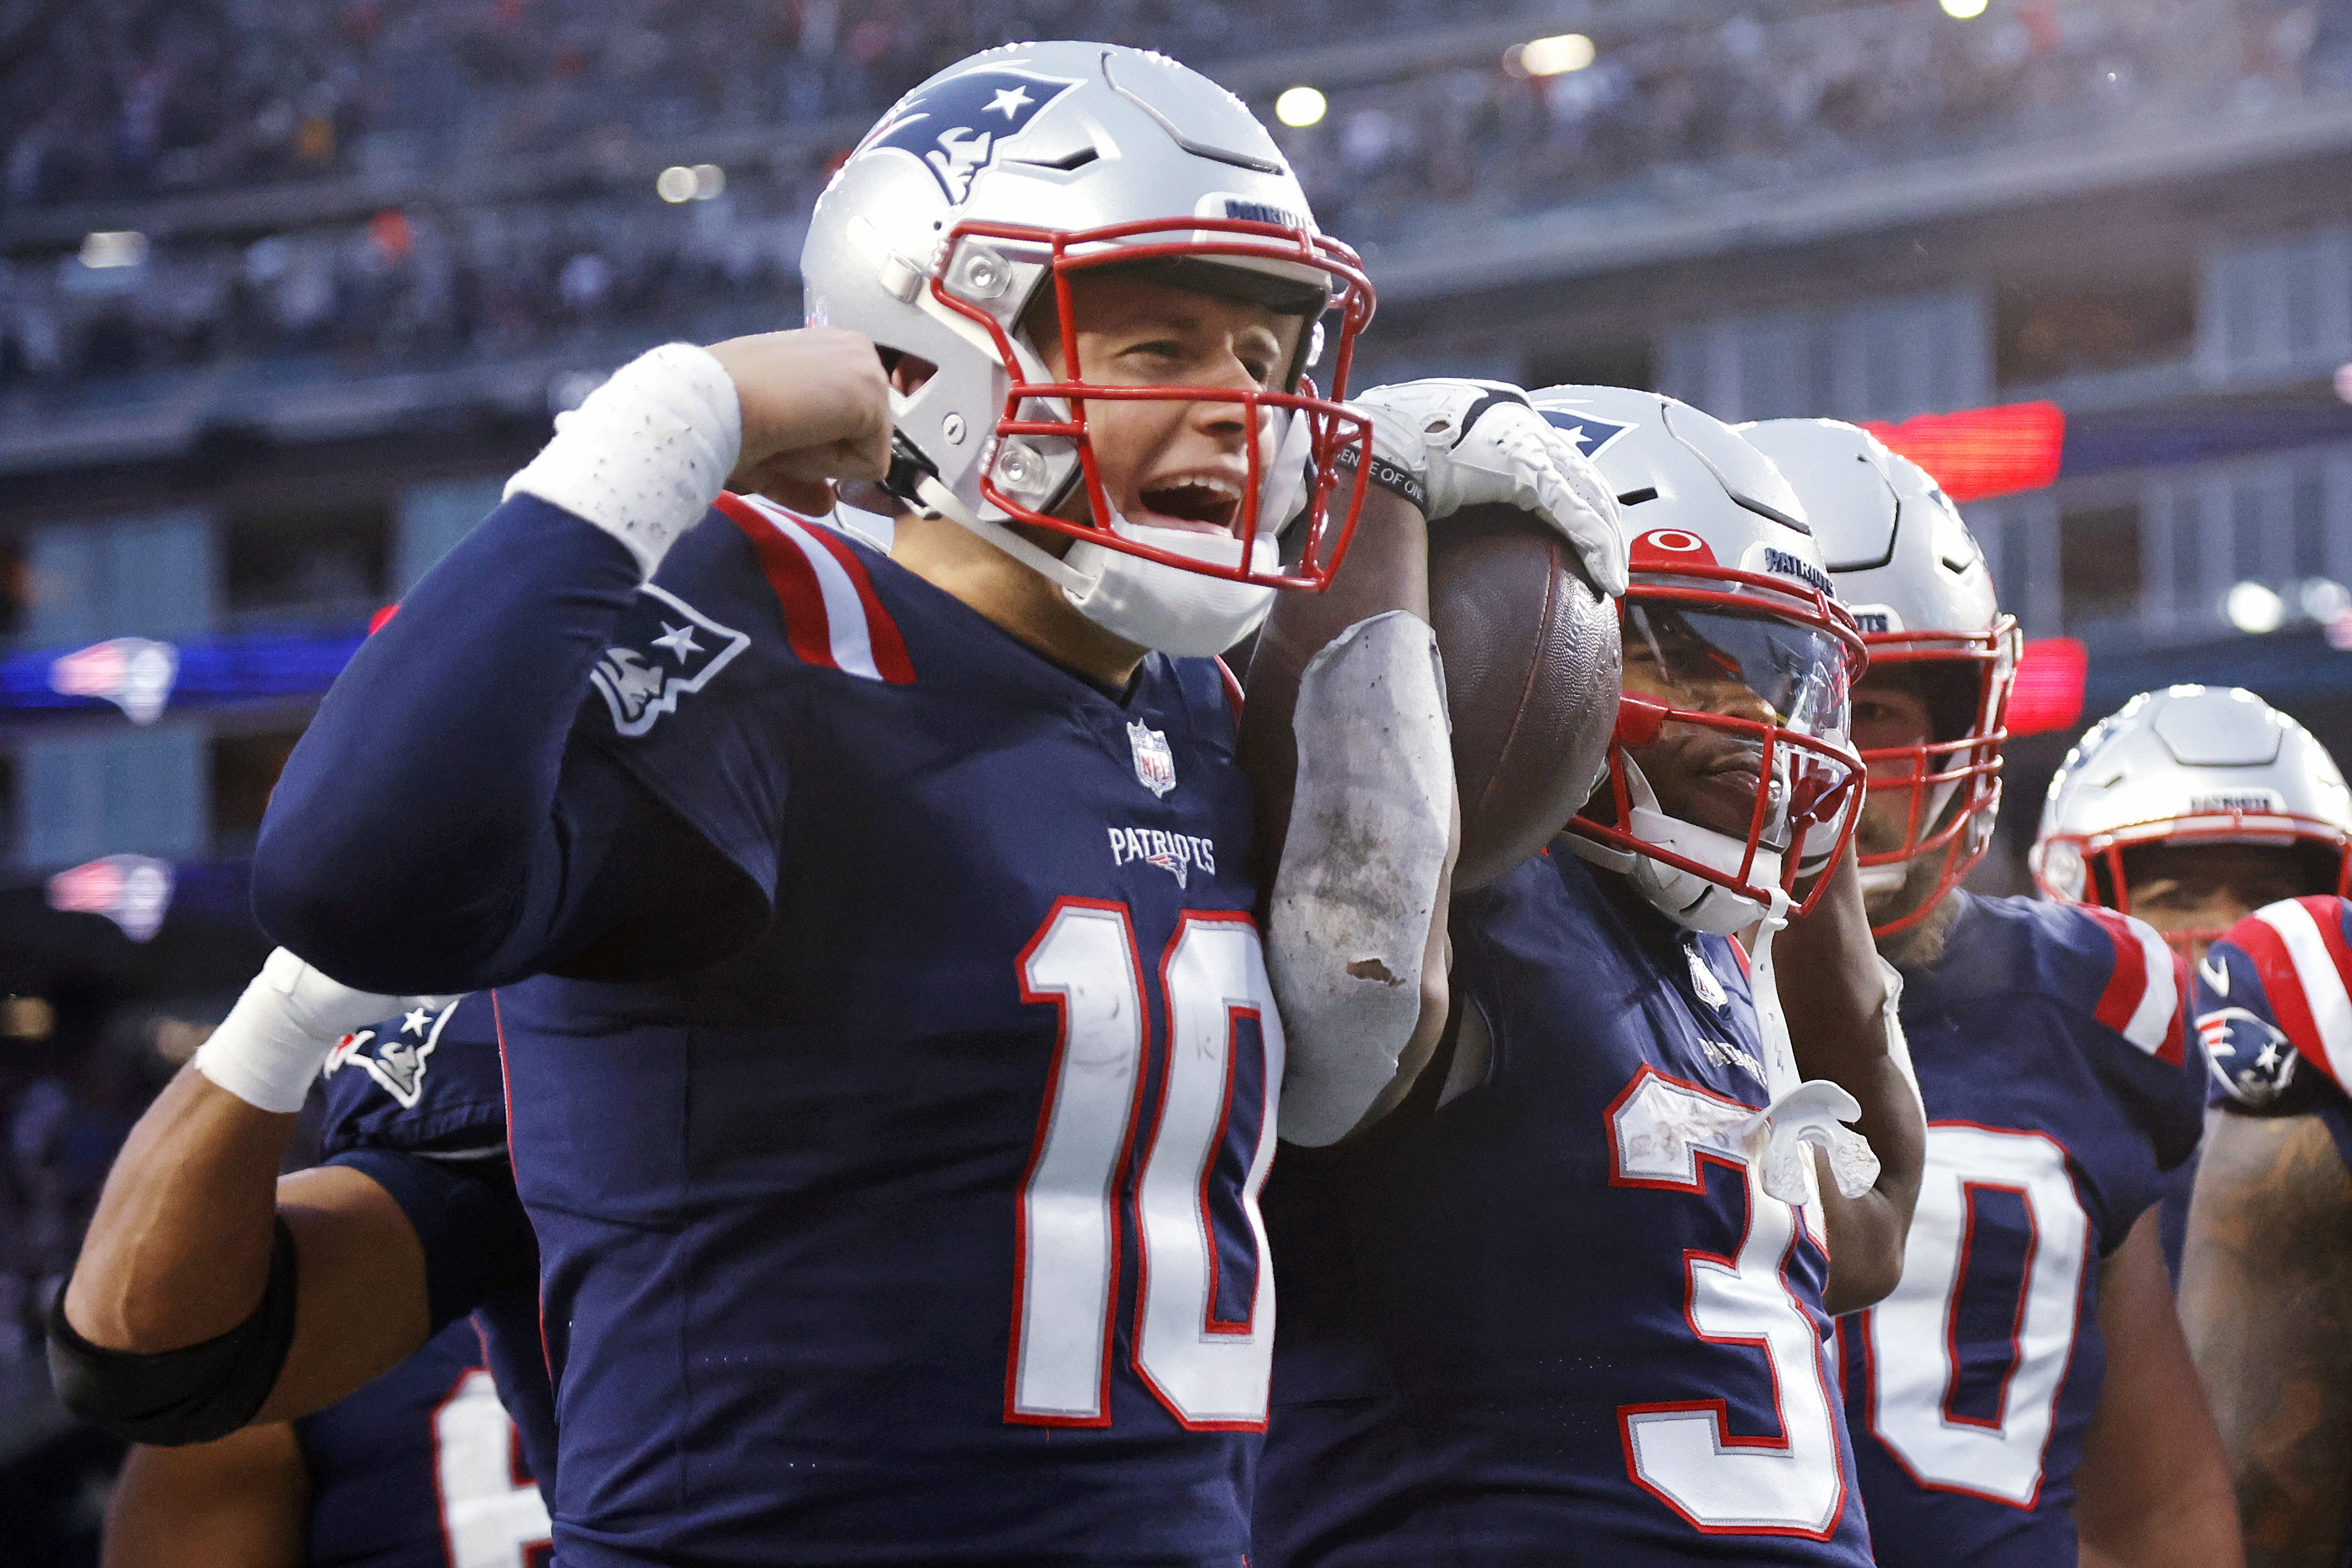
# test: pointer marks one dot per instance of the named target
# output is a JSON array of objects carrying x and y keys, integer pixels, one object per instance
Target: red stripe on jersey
[
  {"x": 793, "y": 579},
  {"x": 881, "y": 632},
  {"x": 2176, "y": 1028},
  {"x": 2127, "y": 986},
  {"x": 2282, "y": 986},
  {"x": 1232, "y": 688}
]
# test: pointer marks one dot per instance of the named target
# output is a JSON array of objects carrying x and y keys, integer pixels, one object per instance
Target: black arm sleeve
[
  {"x": 192, "y": 1394},
  {"x": 432, "y": 831}
]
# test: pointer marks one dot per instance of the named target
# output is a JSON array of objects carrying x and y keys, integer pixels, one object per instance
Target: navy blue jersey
[
  {"x": 418, "y": 1103},
  {"x": 2275, "y": 1014},
  {"x": 2050, "y": 1043},
  {"x": 421, "y": 1469},
  {"x": 924, "y": 1228},
  {"x": 1555, "y": 1319}
]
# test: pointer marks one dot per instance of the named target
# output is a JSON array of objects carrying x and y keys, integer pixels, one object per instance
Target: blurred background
[{"x": 289, "y": 287}]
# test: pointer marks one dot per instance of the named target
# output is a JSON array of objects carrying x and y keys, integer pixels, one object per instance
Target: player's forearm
[
  {"x": 1344, "y": 735},
  {"x": 1386, "y": 568},
  {"x": 1836, "y": 996},
  {"x": 178, "y": 1251},
  {"x": 2153, "y": 1488},
  {"x": 2266, "y": 1302}
]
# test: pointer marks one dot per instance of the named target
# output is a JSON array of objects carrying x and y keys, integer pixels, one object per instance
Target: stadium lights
[
  {"x": 681, "y": 183},
  {"x": 1981, "y": 452},
  {"x": 1963, "y": 10},
  {"x": 1555, "y": 56},
  {"x": 2048, "y": 692},
  {"x": 2253, "y": 609},
  {"x": 113, "y": 247},
  {"x": 1300, "y": 107}
]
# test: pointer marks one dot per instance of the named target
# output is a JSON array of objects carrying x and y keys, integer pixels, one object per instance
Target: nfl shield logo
[{"x": 1155, "y": 765}]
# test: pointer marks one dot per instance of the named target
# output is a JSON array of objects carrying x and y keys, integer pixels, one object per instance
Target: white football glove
[{"x": 1474, "y": 442}]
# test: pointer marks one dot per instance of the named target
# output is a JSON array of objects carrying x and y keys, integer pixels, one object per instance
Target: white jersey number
[
  {"x": 1211, "y": 1371},
  {"x": 490, "y": 1517},
  {"x": 1914, "y": 1368},
  {"x": 1684, "y": 1453}
]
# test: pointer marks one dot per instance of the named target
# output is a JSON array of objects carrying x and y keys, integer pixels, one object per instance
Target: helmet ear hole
[{"x": 907, "y": 371}]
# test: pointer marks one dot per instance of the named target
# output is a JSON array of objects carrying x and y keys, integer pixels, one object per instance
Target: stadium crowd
[{"x": 141, "y": 102}]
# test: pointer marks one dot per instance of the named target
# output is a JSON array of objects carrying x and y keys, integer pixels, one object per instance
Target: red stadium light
[
  {"x": 1982, "y": 452},
  {"x": 2049, "y": 690}
]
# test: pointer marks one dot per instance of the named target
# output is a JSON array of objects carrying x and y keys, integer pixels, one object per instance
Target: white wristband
[
  {"x": 646, "y": 454},
  {"x": 274, "y": 1041}
]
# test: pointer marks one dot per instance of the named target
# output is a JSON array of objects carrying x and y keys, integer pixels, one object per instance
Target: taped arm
[
  {"x": 2267, "y": 1301},
  {"x": 1344, "y": 739}
]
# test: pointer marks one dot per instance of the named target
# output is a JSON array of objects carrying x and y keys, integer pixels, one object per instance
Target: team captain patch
[{"x": 663, "y": 649}]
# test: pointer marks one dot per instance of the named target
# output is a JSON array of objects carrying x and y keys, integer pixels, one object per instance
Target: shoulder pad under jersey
[{"x": 2122, "y": 973}]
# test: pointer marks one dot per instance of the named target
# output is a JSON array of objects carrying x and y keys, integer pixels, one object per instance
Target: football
[{"x": 1531, "y": 682}]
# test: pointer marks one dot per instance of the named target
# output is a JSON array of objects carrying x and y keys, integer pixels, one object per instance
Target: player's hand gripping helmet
[
  {"x": 2189, "y": 764},
  {"x": 1738, "y": 661},
  {"x": 1915, "y": 580},
  {"x": 980, "y": 196}
]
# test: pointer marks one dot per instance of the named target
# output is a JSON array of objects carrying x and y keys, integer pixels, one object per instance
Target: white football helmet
[
  {"x": 1918, "y": 584},
  {"x": 1005, "y": 176},
  {"x": 1731, "y": 628},
  {"x": 2189, "y": 764}
]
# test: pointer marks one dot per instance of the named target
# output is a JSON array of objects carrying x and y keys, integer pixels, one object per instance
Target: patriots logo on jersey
[
  {"x": 663, "y": 649},
  {"x": 2248, "y": 1053},
  {"x": 1592, "y": 434},
  {"x": 395, "y": 1057},
  {"x": 957, "y": 128},
  {"x": 1175, "y": 853}
]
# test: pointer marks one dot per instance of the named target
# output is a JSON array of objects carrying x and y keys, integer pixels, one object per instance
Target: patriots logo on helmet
[
  {"x": 663, "y": 649},
  {"x": 395, "y": 1057},
  {"x": 956, "y": 128},
  {"x": 2248, "y": 1054},
  {"x": 1592, "y": 434}
]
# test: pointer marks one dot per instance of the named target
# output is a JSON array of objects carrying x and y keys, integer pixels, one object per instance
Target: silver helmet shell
[
  {"x": 1922, "y": 594},
  {"x": 1723, "y": 566},
  {"x": 2188, "y": 765},
  {"x": 998, "y": 179}
]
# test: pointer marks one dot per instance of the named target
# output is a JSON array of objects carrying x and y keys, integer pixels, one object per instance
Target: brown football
[{"x": 1531, "y": 680}]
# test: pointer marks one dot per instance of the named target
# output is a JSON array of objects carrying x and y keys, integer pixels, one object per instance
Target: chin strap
[
  {"x": 1803, "y": 1111},
  {"x": 942, "y": 501}
]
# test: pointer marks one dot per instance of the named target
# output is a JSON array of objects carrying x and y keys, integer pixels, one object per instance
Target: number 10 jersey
[{"x": 925, "y": 1229}]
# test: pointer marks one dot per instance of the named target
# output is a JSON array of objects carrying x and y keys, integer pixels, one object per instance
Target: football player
[
  {"x": 898, "y": 1066},
  {"x": 419, "y": 1469},
  {"x": 213, "y": 1295},
  {"x": 2193, "y": 807},
  {"x": 1571, "y": 1302},
  {"x": 2027, "y": 1385},
  {"x": 2268, "y": 1264}
]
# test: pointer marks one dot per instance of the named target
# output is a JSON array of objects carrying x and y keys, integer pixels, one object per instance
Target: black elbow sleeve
[{"x": 189, "y": 1395}]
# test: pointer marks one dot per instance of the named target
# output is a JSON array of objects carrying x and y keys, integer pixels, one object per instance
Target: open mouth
[{"x": 1201, "y": 503}]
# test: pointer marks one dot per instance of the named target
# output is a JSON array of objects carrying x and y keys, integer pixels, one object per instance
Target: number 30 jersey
[
  {"x": 924, "y": 1230},
  {"x": 1555, "y": 1319},
  {"x": 2050, "y": 1047}
]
